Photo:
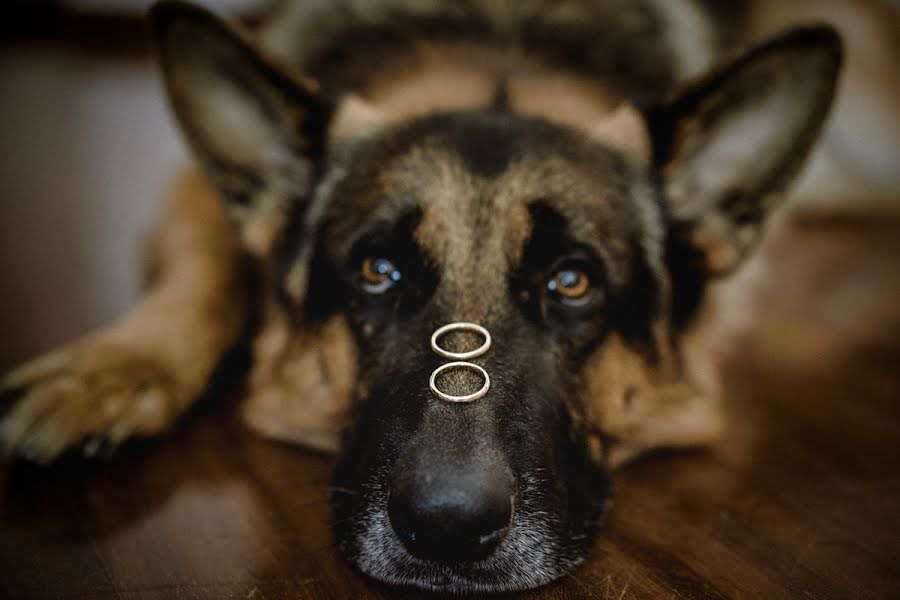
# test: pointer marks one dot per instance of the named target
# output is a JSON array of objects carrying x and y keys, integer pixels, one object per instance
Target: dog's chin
[
  {"x": 533, "y": 553},
  {"x": 526, "y": 559}
]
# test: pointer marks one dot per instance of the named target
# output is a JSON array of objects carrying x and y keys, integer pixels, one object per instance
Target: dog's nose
[{"x": 452, "y": 517}]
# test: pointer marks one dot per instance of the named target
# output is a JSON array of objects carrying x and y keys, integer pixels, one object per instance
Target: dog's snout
[{"x": 457, "y": 516}]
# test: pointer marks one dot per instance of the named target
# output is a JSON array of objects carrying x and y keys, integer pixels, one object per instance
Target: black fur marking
[
  {"x": 500, "y": 101},
  {"x": 637, "y": 307},
  {"x": 687, "y": 266},
  {"x": 487, "y": 144}
]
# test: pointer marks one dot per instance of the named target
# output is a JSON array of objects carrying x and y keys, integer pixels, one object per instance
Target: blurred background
[
  {"x": 87, "y": 146},
  {"x": 86, "y": 150}
]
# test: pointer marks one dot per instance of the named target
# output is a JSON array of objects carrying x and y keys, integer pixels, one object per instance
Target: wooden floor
[{"x": 800, "y": 500}]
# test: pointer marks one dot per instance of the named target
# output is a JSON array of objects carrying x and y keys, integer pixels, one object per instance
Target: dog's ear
[
  {"x": 257, "y": 131},
  {"x": 728, "y": 145}
]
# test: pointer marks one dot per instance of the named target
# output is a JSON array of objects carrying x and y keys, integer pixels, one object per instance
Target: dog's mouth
[{"x": 442, "y": 543}]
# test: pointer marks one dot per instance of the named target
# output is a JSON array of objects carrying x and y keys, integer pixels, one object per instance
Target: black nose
[{"x": 456, "y": 516}]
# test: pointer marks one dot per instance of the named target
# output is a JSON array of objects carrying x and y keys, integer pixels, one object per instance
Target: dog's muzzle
[{"x": 458, "y": 509}]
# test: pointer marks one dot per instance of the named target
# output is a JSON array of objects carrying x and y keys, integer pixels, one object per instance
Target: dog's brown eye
[
  {"x": 571, "y": 285},
  {"x": 378, "y": 275}
]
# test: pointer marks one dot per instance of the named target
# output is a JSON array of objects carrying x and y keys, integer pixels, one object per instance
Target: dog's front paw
[{"x": 95, "y": 394}]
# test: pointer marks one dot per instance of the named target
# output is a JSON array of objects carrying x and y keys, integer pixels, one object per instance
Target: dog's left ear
[{"x": 729, "y": 144}]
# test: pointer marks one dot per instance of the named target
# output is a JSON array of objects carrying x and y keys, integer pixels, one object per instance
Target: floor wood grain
[{"x": 801, "y": 499}]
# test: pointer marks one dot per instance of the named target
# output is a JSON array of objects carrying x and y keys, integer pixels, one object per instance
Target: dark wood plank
[{"x": 801, "y": 499}]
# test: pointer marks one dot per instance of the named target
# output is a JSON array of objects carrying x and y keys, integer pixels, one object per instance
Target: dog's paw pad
[{"x": 94, "y": 395}]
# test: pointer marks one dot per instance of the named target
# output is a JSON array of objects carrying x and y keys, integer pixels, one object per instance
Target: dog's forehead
[{"x": 473, "y": 178}]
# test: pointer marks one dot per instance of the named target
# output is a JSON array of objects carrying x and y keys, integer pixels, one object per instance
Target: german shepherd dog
[{"x": 566, "y": 177}]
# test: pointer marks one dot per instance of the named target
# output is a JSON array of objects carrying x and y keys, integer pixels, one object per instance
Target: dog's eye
[
  {"x": 378, "y": 275},
  {"x": 571, "y": 286}
]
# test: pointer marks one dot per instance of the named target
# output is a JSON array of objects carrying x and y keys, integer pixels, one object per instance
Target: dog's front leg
[{"x": 138, "y": 375}]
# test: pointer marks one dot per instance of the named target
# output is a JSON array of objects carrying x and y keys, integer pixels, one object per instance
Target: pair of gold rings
[{"x": 460, "y": 361}]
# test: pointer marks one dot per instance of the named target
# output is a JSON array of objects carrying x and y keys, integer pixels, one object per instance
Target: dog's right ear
[
  {"x": 257, "y": 131},
  {"x": 728, "y": 144}
]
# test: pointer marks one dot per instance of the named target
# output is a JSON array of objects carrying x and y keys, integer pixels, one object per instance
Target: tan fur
[
  {"x": 624, "y": 129},
  {"x": 637, "y": 406},
  {"x": 354, "y": 117},
  {"x": 572, "y": 101},
  {"x": 447, "y": 231},
  {"x": 564, "y": 98},
  {"x": 437, "y": 79},
  {"x": 138, "y": 375},
  {"x": 302, "y": 384}
]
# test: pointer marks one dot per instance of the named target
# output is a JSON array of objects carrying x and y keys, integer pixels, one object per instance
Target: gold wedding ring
[
  {"x": 459, "y": 365},
  {"x": 461, "y": 326},
  {"x": 460, "y": 362}
]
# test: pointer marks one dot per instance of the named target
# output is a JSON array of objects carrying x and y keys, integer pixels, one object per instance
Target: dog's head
[{"x": 582, "y": 248}]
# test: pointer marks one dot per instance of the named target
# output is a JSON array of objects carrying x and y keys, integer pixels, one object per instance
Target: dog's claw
[
  {"x": 28, "y": 452},
  {"x": 99, "y": 446},
  {"x": 92, "y": 447}
]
